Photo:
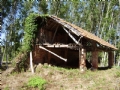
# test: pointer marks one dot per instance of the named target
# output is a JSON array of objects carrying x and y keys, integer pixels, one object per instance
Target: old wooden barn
[{"x": 61, "y": 43}]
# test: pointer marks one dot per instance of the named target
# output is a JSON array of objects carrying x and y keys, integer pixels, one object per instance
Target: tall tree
[{"x": 98, "y": 17}]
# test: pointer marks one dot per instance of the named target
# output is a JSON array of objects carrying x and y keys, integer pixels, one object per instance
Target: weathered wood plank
[
  {"x": 53, "y": 53},
  {"x": 31, "y": 63},
  {"x": 57, "y": 46},
  {"x": 71, "y": 36},
  {"x": 82, "y": 59},
  {"x": 95, "y": 59},
  {"x": 70, "y": 46}
]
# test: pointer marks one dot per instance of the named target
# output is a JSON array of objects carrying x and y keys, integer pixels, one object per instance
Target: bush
[{"x": 36, "y": 82}]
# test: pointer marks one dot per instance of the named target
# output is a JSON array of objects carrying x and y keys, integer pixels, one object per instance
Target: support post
[
  {"x": 95, "y": 59},
  {"x": 31, "y": 63},
  {"x": 110, "y": 59},
  {"x": 82, "y": 59}
]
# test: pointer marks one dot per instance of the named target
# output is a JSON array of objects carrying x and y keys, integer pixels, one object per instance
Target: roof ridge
[{"x": 83, "y": 32}]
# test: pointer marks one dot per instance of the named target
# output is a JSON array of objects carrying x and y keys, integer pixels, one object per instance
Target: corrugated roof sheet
[{"x": 80, "y": 31}]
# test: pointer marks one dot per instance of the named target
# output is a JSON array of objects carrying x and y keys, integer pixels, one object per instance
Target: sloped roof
[{"x": 79, "y": 31}]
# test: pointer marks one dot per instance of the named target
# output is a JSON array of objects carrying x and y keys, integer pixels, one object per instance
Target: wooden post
[
  {"x": 110, "y": 59},
  {"x": 95, "y": 59},
  {"x": 31, "y": 63},
  {"x": 82, "y": 59}
]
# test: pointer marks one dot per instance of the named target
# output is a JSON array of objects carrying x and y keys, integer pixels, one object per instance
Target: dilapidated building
[{"x": 64, "y": 44}]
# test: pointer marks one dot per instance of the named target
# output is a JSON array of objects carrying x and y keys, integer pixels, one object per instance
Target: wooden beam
[
  {"x": 57, "y": 46},
  {"x": 53, "y": 53},
  {"x": 95, "y": 59},
  {"x": 71, "y": 46},
  {"x": 71, "y": 36},
  {"x": 82, "y": 59},
  {"x": 80, "y": 38},
  {"x": 31, "y": 63},
  {"x": 94, "y": 55},
  {"x": 110, "y": 59},
  {"x": 79, "y": 56}
]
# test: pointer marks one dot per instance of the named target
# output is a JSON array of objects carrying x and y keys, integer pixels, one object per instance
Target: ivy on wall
[{"x": 30, "y": 30}]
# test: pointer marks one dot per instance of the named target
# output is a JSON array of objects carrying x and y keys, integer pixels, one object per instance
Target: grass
[
  {"x": 117, "y": 74},
  {"x": 6, "y": 88},
  {"x": 36, "y": 81},
  {"x": 58, "y": 78}
]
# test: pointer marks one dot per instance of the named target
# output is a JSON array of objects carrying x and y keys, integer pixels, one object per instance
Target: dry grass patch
[{"x": 66, "y": 79}]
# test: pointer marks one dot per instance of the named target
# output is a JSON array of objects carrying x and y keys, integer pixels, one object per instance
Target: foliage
[
  {"x": 36, "y": 82},
  {"x": 99, "y": 18},
  {"x": 29, "y": 31},
  {"x": 23, "y": 64}
]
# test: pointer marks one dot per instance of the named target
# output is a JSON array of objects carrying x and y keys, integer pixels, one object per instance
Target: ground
[{"x": 63, "y": 79}]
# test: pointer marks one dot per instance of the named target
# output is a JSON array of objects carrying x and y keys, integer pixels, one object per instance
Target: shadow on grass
[
  {"x": 3, "y": 67},
  {"x": 103, "y": 68}
]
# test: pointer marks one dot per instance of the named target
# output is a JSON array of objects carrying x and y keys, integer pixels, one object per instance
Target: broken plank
[
  {"x": 53, "y": 53},
  {"x": 71, "y": 36}
]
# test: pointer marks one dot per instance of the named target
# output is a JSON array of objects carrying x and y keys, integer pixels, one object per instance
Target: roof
[{"x": 81, "y": 32}]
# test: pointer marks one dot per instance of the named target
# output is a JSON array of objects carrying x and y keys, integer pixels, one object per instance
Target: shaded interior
[{"x": 52, "y": 32}]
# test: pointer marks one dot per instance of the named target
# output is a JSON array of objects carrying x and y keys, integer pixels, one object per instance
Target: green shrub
[{"x": 36, "y": 82}]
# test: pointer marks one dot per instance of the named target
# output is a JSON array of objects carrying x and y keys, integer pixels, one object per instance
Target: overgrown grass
[
  {"x": 117, "y": 74},
  {"x": 6, "y": 88},
  {"x": 37, "y": 82}
]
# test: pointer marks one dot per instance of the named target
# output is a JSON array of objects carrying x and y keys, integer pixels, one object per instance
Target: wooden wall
[
  {"x": 52, "y": 37},
  {"x": 41, "y": 56}
]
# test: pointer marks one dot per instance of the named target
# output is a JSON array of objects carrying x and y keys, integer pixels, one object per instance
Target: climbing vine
[{"x": 30, "y": 30}]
